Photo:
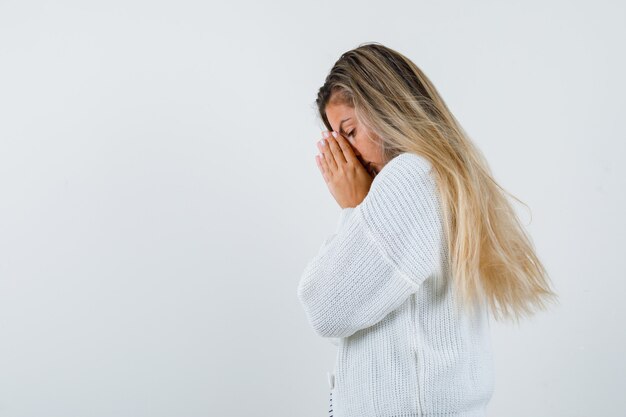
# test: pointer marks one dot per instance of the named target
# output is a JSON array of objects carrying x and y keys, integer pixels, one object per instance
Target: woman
[{"x": 426, "y": 244}]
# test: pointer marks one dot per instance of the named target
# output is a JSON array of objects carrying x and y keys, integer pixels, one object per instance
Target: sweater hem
[{"x": 476, "y": 412}]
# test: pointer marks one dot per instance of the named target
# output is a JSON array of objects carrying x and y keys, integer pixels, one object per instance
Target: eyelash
[{"x": 350, "y": 134}]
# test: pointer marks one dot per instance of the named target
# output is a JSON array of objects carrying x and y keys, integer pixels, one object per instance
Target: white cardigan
[{"x": 380, "y": 289}]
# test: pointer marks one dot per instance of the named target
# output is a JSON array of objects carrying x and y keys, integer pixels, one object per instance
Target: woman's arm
[
  {"x": 379, "y": 256},
  {"x": 344, "y": 215}
]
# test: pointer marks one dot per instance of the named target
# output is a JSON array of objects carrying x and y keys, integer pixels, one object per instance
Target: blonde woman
[{"x": 426, "y": 245}]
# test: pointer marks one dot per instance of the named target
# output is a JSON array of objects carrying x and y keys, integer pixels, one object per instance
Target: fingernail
[
  {"x": 334, "y": 134},
  {"x": 322, "y": 142},
  {"x": 325, "y": 133}
]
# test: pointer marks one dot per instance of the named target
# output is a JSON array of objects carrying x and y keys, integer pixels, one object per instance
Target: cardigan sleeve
[
  {"x": 383, "y": 250},
  {"x": 344, "y": 215}
]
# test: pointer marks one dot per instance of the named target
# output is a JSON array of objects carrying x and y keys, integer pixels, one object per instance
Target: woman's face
[{"x": 342, "y": 119}]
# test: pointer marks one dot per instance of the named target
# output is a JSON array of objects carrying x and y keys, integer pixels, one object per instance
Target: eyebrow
[{"x": 340, "y": 124}]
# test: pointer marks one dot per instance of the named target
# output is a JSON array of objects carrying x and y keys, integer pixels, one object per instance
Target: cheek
[{"x": 368, "y": 152}]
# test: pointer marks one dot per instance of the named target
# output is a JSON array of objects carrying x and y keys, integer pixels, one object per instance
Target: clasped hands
[{"x": 344, "y": 173}]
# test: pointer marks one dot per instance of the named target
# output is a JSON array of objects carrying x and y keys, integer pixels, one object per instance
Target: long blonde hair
[{"x": 490, "y": 255}]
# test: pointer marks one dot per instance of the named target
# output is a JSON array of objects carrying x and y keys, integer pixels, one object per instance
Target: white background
[{"x": 159, "y": 196}]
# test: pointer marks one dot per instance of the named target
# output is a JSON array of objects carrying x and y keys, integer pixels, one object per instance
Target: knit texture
[{"x": 379, "y": 288}]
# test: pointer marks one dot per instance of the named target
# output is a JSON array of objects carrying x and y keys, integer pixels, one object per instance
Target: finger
[
  {"x": 323, "y": 167},
  {"x": 327, "y": 154},
  {"x": 319, "y": 165},
  {"x": 336, "y": 148},
  {"x": 348, "y": 152}
]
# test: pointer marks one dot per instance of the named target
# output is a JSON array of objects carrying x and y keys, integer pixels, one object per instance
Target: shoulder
[
  {"x": 402, "y": 214},
  {"x": 405, "y": 171},
  {"x": 404, "y": 185},
  {"x": 407, "y": 162}
]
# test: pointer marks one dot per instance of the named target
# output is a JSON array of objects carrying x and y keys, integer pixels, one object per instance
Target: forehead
[{"x": 337, "y": 111}]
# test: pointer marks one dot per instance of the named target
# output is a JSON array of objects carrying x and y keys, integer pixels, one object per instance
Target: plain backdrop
[{"x": 159, "y": 196}]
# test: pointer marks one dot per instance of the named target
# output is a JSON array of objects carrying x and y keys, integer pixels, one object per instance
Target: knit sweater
[{"x": 380, "y": 289}]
